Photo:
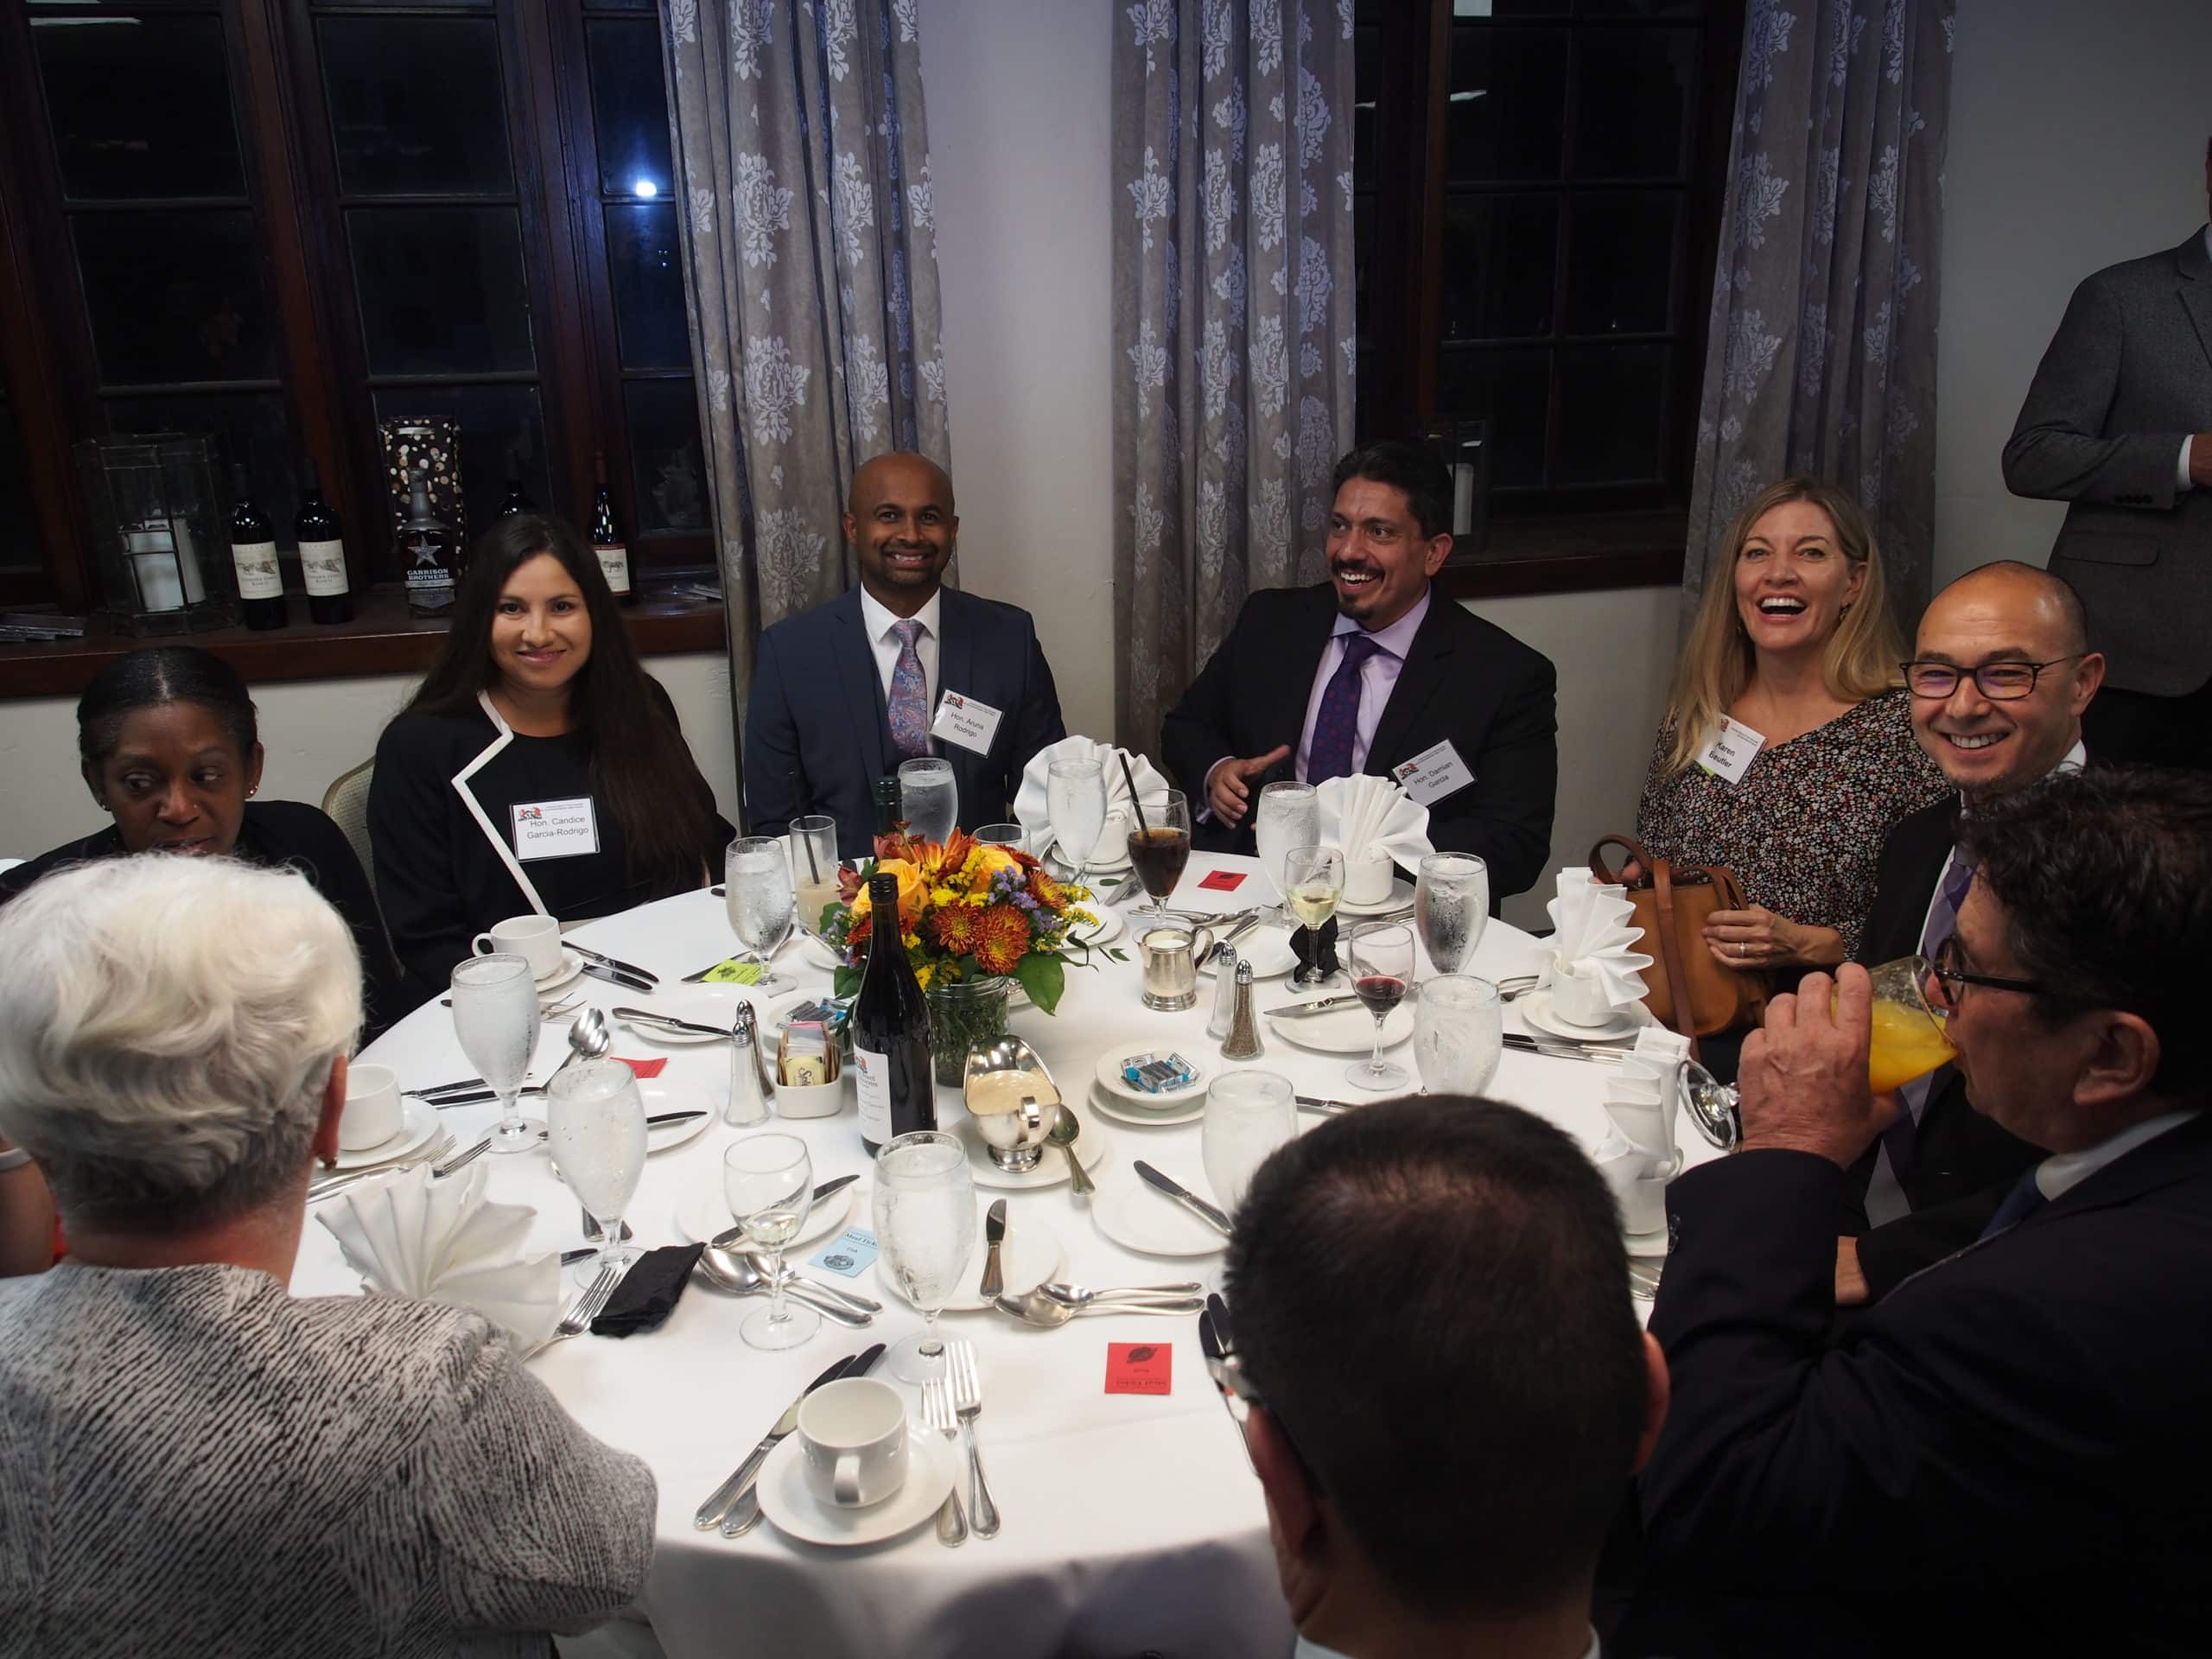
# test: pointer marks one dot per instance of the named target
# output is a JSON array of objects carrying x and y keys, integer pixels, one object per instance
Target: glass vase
[{"x": 964, "y": 1014}]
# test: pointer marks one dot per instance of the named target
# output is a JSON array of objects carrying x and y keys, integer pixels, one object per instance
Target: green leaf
[
  {"x": 1043, "y": 977},
  {"x": 845, "y": 981}
]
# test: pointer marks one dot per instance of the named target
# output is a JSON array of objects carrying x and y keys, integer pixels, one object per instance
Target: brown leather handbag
[{"x": 1672, "y": 903}]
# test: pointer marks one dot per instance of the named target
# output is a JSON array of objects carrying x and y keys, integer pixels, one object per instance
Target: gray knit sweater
[{"x": 193, "y": 1461}]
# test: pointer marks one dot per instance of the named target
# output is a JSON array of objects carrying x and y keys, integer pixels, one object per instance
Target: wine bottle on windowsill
[
  {"x": 606, "y": 540},
  {"x": 253, "y": 555},
  {"x": 516, "y": 500},
  {"x": 322, "y": 552}
]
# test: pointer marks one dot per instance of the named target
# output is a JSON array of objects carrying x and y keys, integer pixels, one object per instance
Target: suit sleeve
[
  {"x": 2060, "y": 449},
  {"x": 1505, "y": 816},
  {"x": 775, "y": 772},
  {"x": 411, "y": 808},
  {"x": 1199, "y": 729}
]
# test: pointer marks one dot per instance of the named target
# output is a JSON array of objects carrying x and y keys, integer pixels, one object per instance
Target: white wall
[{"x": 2077, "y": 140}]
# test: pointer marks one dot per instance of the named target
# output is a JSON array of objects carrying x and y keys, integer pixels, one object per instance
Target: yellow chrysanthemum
[{"x": 1002, "y": 938}]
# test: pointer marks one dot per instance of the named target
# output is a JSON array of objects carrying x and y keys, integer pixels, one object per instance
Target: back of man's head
[{"x": 1430, "y": 1297}]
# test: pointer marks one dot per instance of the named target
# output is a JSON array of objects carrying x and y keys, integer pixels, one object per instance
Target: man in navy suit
[{"x": 842, "y": 693}]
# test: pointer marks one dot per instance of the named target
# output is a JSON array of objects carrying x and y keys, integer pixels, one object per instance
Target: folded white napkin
[
  {"x": 1365, "y": 816},
  {"x": 408, "y": 1235},
  {"x": 1594, "y": 941},
  {"x": 1032, "y": 807},
  {"x": 1637, "y": 1180},
  {"x": 1640, "y": 1099}
]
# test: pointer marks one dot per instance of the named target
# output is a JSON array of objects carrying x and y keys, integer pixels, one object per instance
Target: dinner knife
[
  {"x": 1564, "y": 1049},
  {"x": 1325, "y": 1108},
  {"x": 616, "y": 963},
  {"x": 745, "y": 1512},
  {"x": 994, "y": 1236},
  {"x": 476, "y": 1096},
  {"x": 719, "y": 1501},
  {"x": 667, "y": 1022},
  {"x": 730, "y": 1237},
  {"x": 1319, "y": 1004},
  {"x": 1182, "y": 1195},
  {"x": 616, "y": 976}
]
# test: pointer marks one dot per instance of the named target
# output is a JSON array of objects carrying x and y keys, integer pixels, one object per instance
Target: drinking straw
[{"x": 1130, "y": 779}]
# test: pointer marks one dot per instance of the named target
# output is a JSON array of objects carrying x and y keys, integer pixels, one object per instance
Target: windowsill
[
  {"x": 382, "y": 638},
  {"x": 1576, "y": 554}
]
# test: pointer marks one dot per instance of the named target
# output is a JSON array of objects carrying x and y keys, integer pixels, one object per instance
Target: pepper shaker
[
  {"x": 749, "y": 1087},
  {"x": 1244, "y": 1043},
  {"x": 1224, "y": 991}
]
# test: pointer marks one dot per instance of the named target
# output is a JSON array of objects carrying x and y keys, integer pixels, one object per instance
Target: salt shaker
[
  {"x": 1224, "y": 991},
  {"x": 1243, "y": 1042},
  {"x": 749, "y": 1088}
]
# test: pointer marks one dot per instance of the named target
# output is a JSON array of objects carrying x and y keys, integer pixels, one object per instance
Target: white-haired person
[{"x": 194, "y": 1460}]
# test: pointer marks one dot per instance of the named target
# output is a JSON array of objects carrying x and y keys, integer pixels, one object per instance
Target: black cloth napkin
[
  {"x": 649, "y": 1291},
  {"x": 1316, "y": 947}
]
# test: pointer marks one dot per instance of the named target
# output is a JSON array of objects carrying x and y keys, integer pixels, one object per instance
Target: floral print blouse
[{"x": 1804, "y": 829}]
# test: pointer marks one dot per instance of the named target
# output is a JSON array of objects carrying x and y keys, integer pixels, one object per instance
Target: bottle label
[
  {"x": 323, "y": 566},
  {"x": 614, "y": 562},
  {"x": 258, "y": 577},
  {"x": 872, "y": 1086}
]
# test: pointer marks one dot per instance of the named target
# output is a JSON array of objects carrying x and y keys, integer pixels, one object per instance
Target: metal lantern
[
  {"x": 1464, "y": 447},
  {"x": 158, "y": 531}
]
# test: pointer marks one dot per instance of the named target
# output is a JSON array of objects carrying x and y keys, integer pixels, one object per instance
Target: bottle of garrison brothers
[{"x": 891, "y": 1032}]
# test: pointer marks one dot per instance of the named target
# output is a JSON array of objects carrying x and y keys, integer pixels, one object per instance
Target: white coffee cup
[
  {"x": 1579, "y": 997},
  {"x": 852, "y": 1441},
  {"x": 372, "y": 1114},
  {"x": 1367, "y": 881},
  {"x": 535, "y": 938}
]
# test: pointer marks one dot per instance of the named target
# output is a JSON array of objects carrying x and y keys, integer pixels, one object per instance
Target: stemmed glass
[
  {"x": 769, "y": 1181},
  {"x": 1312, "y": 886},
  {"x": 496, "y": 1018},
  {"x": 1248, "y": 1116},
  {"x": 1288, "y": 815},
  {"x": 1075, "y": 797},
  {"x": 1459, "y": 1033},
  {"x": 596, "y": 1128},
  {"x": 1380, "y": 956},
  {"x": 925, "y": 1229},
  {"x": 756, "y": 884},
  {"x": 928, "y": 798},
  {"x": 1160, "y": 848},
  {"x": 1002, "y": 835},
  {"x": 813, "y": 841},
  {"x": 1452, "y": 906}
]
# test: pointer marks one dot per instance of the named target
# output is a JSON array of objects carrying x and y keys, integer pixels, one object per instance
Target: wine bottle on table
[
  {"x": 427, "y": 553},
  {"x": 887, "y": 806},
  {"x": 322, "y": 552},
  {"x": 515, "y": 502},
  {"x": 891, "y": 1031},
  {"x": 606, "y": 540},
  {"x": 253, "y": 555}
]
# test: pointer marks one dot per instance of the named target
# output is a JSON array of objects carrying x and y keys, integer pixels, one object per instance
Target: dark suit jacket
[
  {"x": 818, "y": 732},
  {"x": 1963, "y": 1162},
  {"x": 2007, "y": 1455},
  {"x": 2127, "y": 377},
  {"x": 1464, "y": 679}
]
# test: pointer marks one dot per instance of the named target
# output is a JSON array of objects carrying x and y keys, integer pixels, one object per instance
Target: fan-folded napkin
[
  {"x": 1033, "y": 808},
  {"x": 1638, "y": 1156},
  {"x": 1593, "y": 940},
  {"x": 1364, "y": 815},
  {"x": 410, "y": 1235}
]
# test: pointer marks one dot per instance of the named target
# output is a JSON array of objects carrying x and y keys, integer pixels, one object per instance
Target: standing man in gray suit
[{"x": 2119, "y": 422}]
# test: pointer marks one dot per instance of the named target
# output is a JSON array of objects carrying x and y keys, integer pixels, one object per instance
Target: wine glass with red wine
[
  {"x": 1382, "y": 955},
  {"x": 1161, "y": 848}
]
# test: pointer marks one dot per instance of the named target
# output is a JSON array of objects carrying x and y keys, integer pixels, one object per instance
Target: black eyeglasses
[
  {"x": 1998, "y": 682},
  {"x": 1950, "y": 976}
]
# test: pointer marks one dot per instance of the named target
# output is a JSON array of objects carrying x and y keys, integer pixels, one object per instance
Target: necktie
[
  {"x": 1338, "y": 723},
  {"x": 2023, "y": 1201},
  {"x": 910, "y": 726}
]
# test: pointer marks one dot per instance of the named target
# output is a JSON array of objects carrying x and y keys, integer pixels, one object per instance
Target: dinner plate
[
  {"x": 1187, "y": 1110},
  {"x": 1152, "y": 1224},
  {"x": 1030, "y": 1254},
  {"x": 1402, "y": 895},
  {"x": 418, "y": 1122},
  {"x": 702, "y": 1211},
  {"x": 1052, "y": 1169},
  {"x": 1110, "y": 1079},
  {"x": 1347, "y": 1029},
  {"x": 1537, "y": 1009},
  {"x": 1111, "y": 925},
  {"x": 1268, "y": 949},
  {"x": 662, "y": 1098},
  {"x": 932, "y": 1468},
  {"x": 571, "y": 965}
]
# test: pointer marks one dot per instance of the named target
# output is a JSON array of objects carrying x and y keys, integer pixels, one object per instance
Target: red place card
[
  {"x": 648, "y": 1070},
  {"x": 1223, "y": 881},
  {"x": 1140, "y": 1368}
]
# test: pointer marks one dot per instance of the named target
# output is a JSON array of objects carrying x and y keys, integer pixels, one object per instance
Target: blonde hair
[{"x": 1862, "y": 655}]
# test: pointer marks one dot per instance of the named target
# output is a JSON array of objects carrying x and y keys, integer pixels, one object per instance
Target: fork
[
  {"x": 939, "y": 1414},
  {"x": 967, "y": 1399},
  {"x": 583, "y": 1310},
  {"x": 337, "y": 1181}
]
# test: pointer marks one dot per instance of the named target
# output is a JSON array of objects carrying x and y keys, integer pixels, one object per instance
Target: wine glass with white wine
[{"x": 1313, "y": 885}]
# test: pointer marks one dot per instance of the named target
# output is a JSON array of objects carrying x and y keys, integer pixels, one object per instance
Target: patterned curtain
[
  {"x": 1821, "y": 357},
  {"x": 810, "y": 276},
  {"x": 1233, "y": 348}
]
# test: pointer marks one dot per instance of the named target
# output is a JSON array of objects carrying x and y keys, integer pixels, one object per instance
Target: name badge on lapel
[
  {"x": 555, "y": 828},
  {"x": 968, "y": 721},
  {"x": 1434, "y": 773},
  {"x": 1730, "y": 751}
]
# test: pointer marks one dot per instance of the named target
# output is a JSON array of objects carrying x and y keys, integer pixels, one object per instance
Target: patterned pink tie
[
  {"x": 910, "y": 725},
  {"x": 1337, "y": 724}
]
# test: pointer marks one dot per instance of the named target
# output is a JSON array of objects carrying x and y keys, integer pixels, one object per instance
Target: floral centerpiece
[{"x": 971, "y": 917}]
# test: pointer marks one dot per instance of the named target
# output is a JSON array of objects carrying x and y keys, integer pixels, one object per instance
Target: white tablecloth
[{"x": 1131, "y": 1522}]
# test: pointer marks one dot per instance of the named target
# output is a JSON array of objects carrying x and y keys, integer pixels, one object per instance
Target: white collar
[
  {"x": 876, "y": 616},
  {"x": 2062, "y": 1171}
]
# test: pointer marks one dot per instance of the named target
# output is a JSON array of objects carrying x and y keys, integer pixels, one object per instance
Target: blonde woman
[{"x": 1788, "y": 750}]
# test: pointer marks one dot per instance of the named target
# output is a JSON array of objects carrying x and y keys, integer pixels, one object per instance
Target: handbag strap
[
  {"x": 1670, "y": 953},
  {"x": 1607, "y": 877}
]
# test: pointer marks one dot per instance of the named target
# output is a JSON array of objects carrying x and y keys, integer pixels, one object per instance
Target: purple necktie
[
  {"x": 910, "y": 726},
  {"x": 1336, "y": 726},
  {"x": 1942, "y": 922}
]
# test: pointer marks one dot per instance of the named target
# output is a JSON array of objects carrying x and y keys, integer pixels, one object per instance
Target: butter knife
[
  {"x": 710, "y": 1513},
  {"x": 1325, "y": 1108},
  {"x": 745, "y": 1511},
  {"x": 1564, "y": 1049},
  {"x": 627, "y": 981},
  {"x": 616, "y": 963},
  {"x": 731, "y": 1238},
  {"x": 666, "y": 1022},
  {"x": 1306, "y": 1010},
  {"x": 1182, "y": 1195},
  {"x": 994, "y": 1236}
]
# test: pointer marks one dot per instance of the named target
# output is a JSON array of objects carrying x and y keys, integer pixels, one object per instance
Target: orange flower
[
  {"x": 953, "y": 928},
  {"x": 1048, "y": 893},
  {"x": 1002, "y": 939},
  {"x": 913, "y": 893}
]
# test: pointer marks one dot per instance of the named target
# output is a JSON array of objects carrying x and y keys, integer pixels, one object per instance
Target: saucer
[
  {"x": 1152, "y": 1224},
  {"x": 702, "y": 1211},
  {"x": 1111, "y": 1078},
  {"x": 1113, "y": 1106},
  {"x": 1052, "y": 1169},
  {"x": 418, "y": 1122},
  {"x": 661, "y": 1098},
  {"x": 1030, "y": 1256},
  {"x": 1536, "y": 1008},
  {"x": 571, "y": 965},
  {"x": 1268, "y": 949},
  {"x": 1402, "y": 895},
  {"x": 932, "y": 1468}
]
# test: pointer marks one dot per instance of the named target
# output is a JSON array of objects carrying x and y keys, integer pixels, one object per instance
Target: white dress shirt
[
  {"x": 877, "y": 618},
  {"x": 2062, "y": 1171},
  {"x": 1378, "y": 677}
]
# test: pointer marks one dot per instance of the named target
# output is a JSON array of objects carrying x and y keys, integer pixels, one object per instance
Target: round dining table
[{"x": 1132, "y": 1523}]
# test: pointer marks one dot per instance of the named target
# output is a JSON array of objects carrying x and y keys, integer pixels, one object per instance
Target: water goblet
[
  {"x": 1287, "y": 815},
  {"x": 928, "y": 798},
  {"x": 1452, "y": 907},
  {"x": 1075, "y": 797},
  {"x": 925, "y": 1229},
  {"x": 496, "y": 1018},
  {"x": 757, "y": 891},
  {"x": 596, "y": 1128}
]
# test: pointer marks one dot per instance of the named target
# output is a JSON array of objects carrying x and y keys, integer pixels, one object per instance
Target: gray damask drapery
[
  {"x": 1232, "y": 319},
  {"x": 1821, "y": 357},
  {"x": 802, "y": 171}
]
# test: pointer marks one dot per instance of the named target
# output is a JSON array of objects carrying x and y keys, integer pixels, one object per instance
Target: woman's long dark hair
[
  {"x": 640, "y": 765},
  {"x": 157, "y": 675}
]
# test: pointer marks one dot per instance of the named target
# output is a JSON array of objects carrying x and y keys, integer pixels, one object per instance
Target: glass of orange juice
[{"x": 1909, "y": 1039}]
